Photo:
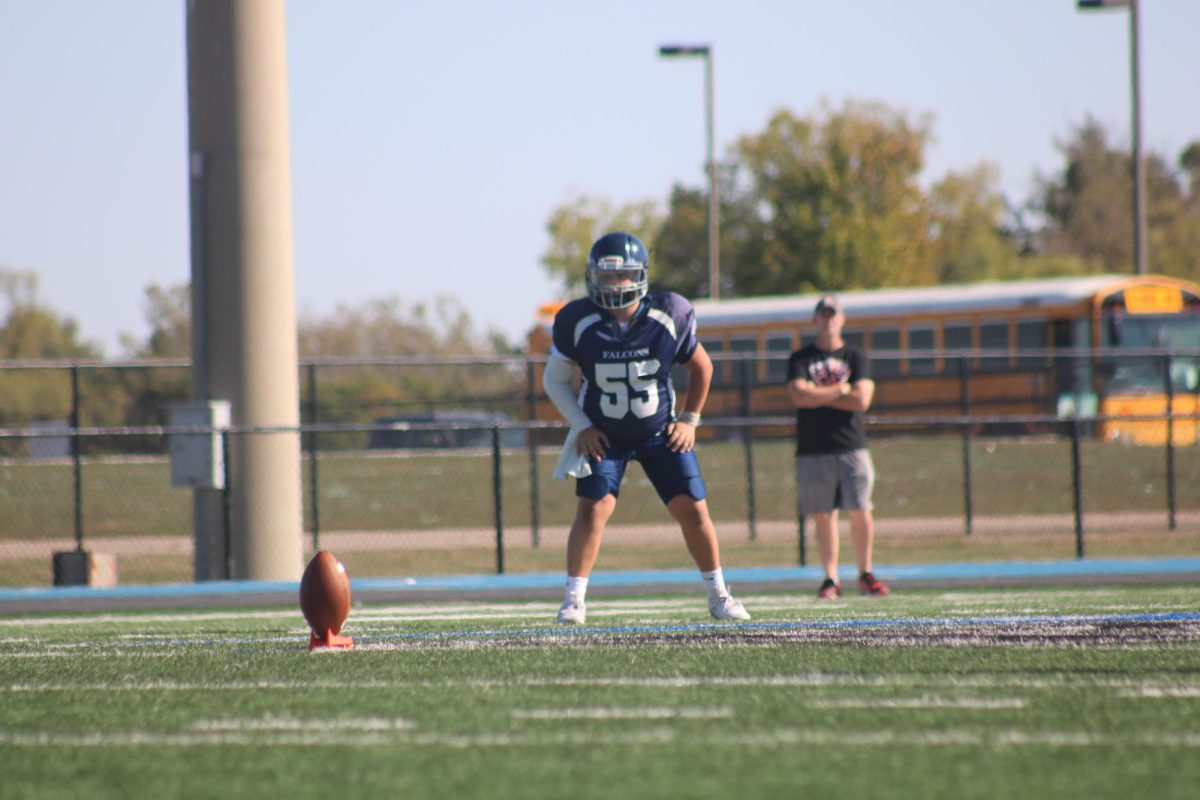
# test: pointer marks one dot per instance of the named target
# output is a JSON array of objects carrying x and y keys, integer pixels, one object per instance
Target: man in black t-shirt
[{"x": 830, "y": 385}]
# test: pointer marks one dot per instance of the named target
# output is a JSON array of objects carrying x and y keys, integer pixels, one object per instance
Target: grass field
[
  {"x": 917, "y": 477},
  {"x": 1039, "y": 692},
  {"x": 362, "y": 494}
]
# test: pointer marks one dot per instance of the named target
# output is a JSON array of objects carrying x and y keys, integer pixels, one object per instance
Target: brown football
[{"x": 325, "y": 594}]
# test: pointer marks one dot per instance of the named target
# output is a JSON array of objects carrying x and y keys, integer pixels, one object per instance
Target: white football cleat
[
  {"x": 573, "y": 612},
  {"x": 723, "y": 606}
]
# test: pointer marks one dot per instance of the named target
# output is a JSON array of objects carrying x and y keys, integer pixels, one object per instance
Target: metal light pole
[
  {"x": 705, "y": 51},
  {"x": 1140, "y": 253}
]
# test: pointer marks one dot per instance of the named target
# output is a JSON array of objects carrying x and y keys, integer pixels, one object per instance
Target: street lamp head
[{"x": 671, "y": 50}]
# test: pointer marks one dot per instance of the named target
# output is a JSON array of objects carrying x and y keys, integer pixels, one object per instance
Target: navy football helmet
[{"x": 614, "y": 257}]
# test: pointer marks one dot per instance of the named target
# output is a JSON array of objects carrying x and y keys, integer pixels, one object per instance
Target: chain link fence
[{"x": 459, "y": 481}]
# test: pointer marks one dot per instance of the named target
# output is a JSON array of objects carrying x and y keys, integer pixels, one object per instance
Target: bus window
[
  {"x": 715, "y": 346},
  {"x": 884, "y": 340},
  {"x": 856, "y": 338},
  {"x": 993, "y": 337},
  {"x": 1031, "y": 335},
  {"x": 1073, "y": 372},
  {"x": 920, "y": 339},
  {"x": 956, "y": 338},
  {"x": 1176, "y": 332},
  {"x": 746, "y": 367},
  {"x": 779, "y": 347}
]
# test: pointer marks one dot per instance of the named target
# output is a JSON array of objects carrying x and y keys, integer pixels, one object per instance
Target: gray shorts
[{"x": 837, "y": 480}]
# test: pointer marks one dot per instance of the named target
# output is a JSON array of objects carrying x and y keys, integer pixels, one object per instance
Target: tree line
[
  {"x": 833, "y": 201},
  {"x": 140, "y": 390},
  {"x": 829, "y": 201}
]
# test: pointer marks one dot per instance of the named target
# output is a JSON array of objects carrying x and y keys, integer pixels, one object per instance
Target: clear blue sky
[{"x": 430, "y": 141}]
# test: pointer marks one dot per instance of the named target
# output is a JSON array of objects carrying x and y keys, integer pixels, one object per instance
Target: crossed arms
[{"x": 855, "y": 396}]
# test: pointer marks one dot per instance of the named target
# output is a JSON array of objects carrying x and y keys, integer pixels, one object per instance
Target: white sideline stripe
[
  {"x": 126, "y": 619},
  {"x": 402, "y": 613},
  {"x": 175, "y": 686},
  {"x": 274, "y": 723},
  {"x": 98, "y": 653},
  {"x": 926, "y": 701},
  {"x": 995, "y": 603},
  {"x": 634, "y": 712},
  {"x": 591, "y": 738},
  {"x": 1163, "y": 686},
  {"x": 1157, "y": 692}
]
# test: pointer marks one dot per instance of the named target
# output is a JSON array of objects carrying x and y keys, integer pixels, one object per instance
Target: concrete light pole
[
  {"x": 243, "y": 295},
  {"x": 1140, "y": 253},
  {"x": 705, "y": 51}
]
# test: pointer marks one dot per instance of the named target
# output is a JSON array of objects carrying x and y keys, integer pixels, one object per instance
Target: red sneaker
[
  {"x": 829, "y": 590},
  {"x": 869, "y": 584}
]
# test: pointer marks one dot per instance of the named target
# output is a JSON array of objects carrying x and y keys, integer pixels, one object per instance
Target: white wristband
[{"x": 691, "y": 418}]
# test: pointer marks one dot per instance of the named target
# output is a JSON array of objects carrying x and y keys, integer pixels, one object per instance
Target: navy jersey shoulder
[
  {"x": 669, "y": 310},
  {"x": 627, "y": 390}
]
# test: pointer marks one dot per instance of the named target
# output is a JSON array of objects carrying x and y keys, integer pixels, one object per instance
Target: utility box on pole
[{"x": 198, "y": 459}]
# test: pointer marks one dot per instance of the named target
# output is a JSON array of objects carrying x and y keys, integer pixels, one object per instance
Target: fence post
[
  {"x": 965, "y": 399},
  {"x": 227, "y": 505},
  {"x": 314, "y": 476},
  {"x": 531, "y": 443},
  {"x": 1077, "y": 486},
  {"x": 498, "y": 497},
  {"x": 748, "y": 447},
  {"x": 76, "y": 458},
  {"x": 1170, "y": 392}
]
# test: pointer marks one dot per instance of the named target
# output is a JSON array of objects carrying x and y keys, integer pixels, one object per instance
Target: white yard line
[
  {"x": 623, "y": 713},
  {"x": 1160, "y": 685},
  {"x": 280, "y": 723},
  {"x": 590, "y": 738},
  {"x": 1161, "y": 692},
  {"x": 923, "y": 702}
]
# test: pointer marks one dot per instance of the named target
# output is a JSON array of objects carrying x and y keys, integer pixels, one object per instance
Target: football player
[{"x": 625, "y": 340}]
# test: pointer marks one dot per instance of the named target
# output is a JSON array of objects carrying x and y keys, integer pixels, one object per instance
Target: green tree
[
  {"x": 680, "y": 258},
  {"x": 168, "y": 311},
  {"x": 384, "y": 328},
  {"x": 32, "y": 331},
  {"x": 576, "y": 224},
  {"x": 151, "y": 391},
  {"x": 840, "y": 200},
  {"x": 970, "y": 241},
  {"x": 1088, "y": 206},
  {"x": 35, "y": 332}
]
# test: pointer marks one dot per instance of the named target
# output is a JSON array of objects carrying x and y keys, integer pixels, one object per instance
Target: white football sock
[
  {"x": 577, "y": 587},
  {"x": 715, "y": 581}
]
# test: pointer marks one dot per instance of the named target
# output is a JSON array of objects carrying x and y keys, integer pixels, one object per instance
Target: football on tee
[{"x": 325, "y": 600}]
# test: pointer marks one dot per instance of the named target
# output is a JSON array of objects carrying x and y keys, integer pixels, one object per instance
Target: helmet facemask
[{"x": 613, "y": 283}]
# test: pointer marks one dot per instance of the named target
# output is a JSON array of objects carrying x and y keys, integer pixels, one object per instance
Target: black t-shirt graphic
[{"x": 828, "y": 430}]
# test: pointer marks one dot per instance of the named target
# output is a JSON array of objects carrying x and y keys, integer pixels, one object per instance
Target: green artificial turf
[{"x": 1054, "y": 692}]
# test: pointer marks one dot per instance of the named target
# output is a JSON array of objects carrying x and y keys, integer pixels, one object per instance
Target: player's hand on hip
[
  {"x": 592, "y": 443},
  {"x": 681, "y": 436}
]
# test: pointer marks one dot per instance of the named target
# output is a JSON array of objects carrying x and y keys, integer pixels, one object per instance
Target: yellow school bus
[{"x": 1112, "y": 346}]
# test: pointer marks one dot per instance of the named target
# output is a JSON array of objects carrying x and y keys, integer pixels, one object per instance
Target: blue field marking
[
  {"x": 560, "y": 632},
  {"x": 460, "y": 585}
]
